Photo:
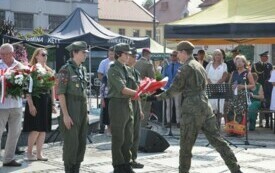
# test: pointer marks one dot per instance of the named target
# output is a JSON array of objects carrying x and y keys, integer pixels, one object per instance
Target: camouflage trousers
[{"x": 197, "y": 115}]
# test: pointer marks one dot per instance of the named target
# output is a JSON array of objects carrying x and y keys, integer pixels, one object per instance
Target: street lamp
[{"x": 154, "y": 20}]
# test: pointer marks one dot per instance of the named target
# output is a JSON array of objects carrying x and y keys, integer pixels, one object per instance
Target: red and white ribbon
[
  {"x": 3, "y": 86},
  {"x": 30, "y": 84}
]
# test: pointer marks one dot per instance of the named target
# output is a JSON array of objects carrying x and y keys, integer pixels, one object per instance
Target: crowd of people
[
  {"x": 38, "y": 109},
  {"x": 120, "y": 74}
]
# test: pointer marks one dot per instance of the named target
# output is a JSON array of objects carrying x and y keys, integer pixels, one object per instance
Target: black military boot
[
  {"x": 76, "y": 168},
  {"x": 137, "y": 165},
  {"x": 119, "y": 169},
  {"x": 128, "y": 168},
  {"x": 68, "y": 168}
]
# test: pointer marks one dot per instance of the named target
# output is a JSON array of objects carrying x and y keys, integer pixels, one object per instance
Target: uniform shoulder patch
[{"x": 63, "y": 76}]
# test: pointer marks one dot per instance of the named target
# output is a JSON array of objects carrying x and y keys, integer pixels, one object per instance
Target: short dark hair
[
  {"x": 189, "y": 51},
  {"x": 118, "y": 54},
  {"x": 144, "y": 52},
  {"x": 72, "y": 52},
  {"x": 201, "y": 51}
]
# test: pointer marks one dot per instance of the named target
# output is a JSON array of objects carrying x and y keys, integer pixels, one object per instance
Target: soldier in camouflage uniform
[
  {"x": 146, "y": 69},
  {"x": 120, "y": 109},
  {"x": 197, "y": 113},
  {"x": 71, "y": 90},
  {"x": 137, "y": 109}
]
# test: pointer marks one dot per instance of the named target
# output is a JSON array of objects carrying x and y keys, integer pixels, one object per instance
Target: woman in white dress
[
  {"x": 272, "y": 80},
  {"x": 217, "y": 74}
]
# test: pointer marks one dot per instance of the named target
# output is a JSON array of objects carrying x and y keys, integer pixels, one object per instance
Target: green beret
[
  {"x": 185, "y": 45},
  {"x": 122, "y": 47},
  {"x": 77, "y": 45}
]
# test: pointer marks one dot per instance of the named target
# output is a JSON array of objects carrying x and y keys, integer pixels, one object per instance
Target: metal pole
[
  {"x": 154, "y": 20},
  {"x": 90, "y": 76}
]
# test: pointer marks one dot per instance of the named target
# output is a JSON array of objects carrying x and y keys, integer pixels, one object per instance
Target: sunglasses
[{"x": 44, "y": 54}]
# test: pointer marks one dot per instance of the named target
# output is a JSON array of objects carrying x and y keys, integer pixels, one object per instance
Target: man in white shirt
[
  {"x": 10, "y": 110},
  {"x": 102, "y": 75}
]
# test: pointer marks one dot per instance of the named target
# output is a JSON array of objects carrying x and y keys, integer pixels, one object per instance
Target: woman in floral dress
[{"x": 242, "y": 81}]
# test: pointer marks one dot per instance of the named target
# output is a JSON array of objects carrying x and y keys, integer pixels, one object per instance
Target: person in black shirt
[
  {"x": 231, "y": 64},
  {"x": 201, "y": 58},
  {"x": 263, "y": 69}
]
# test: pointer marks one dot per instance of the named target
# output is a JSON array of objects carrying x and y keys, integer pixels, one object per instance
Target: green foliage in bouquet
[
  {"x": 43, "y": 81},
  {"x": 158, "y": 76}
]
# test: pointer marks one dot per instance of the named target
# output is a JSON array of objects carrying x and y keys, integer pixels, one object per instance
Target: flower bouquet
[
  {"x": 14, "y": 82},
  {"x": 43, "y": 80}
]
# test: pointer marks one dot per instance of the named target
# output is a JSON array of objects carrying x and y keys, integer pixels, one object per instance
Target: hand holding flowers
[
  {"x": 15, "y": 82},
  {"x": 43, "y": 80}
]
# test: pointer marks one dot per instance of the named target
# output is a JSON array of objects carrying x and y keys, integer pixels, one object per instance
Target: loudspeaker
[{"x": 150, "y": 141}]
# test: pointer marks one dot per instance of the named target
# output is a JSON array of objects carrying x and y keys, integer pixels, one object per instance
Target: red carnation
[
  {"x": 27, "y": 71},
  {"x": 16, "y": 73},
  {"x": 8, "y": 84},
  {"x": 52, "y": 78}
]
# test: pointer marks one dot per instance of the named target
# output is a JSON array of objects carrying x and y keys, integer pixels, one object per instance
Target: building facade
[
  {"x": 47, "y": 14},
  {"x": 172, "y": 10},
  {"x": 125, "y": 17}
]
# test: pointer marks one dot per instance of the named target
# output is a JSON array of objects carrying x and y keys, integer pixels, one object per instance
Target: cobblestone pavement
[{"x": 254, "y": 159}]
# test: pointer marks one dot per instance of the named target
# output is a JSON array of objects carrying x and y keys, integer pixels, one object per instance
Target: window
[
  {"x": 54, "y": 21},
  {"x": 121, "y": 31},
  {"x": 2, "y": 15},
  {"x": 23, "y": 21},
  {"x": 135, "y": 33},
  {"x": 164, "y": 6},
  {"x": 149, "y": 33}
]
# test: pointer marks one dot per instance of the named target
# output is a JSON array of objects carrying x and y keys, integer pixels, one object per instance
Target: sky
[
  {"x": 192, "y": 6},
  {"x": 141, "y": 1}
]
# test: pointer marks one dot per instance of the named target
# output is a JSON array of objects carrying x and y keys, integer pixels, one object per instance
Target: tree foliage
[
  {"x": 6, "y": 28},
  {"x": 147, "y": 4},
  {"x": 36, "y": 32}
]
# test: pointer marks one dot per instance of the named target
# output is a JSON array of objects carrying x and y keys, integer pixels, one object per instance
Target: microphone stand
[{"x": 247, "y": 103}]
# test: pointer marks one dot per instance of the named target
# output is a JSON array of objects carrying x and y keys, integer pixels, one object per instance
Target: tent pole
[
  {"x": 90, "y": 77},
  {"x": 163, "y": 103},
  {"x": 164, "y": 46},
  {"x": 154, "y": 20}
]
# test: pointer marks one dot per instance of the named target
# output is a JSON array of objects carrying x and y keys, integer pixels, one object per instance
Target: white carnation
[
  {"x": 8, "y": 75},
  {"x": 40, "y": 69},
  {"x": 18, "y": 79}
]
